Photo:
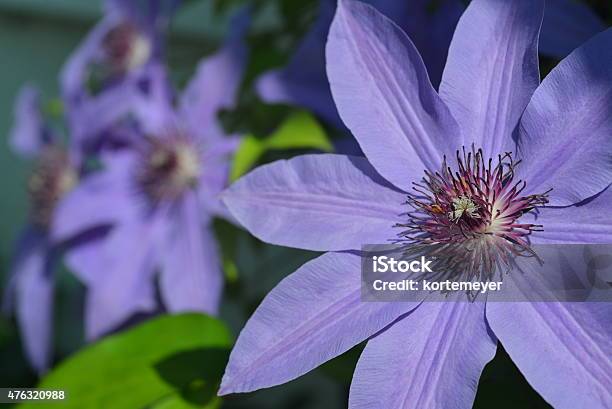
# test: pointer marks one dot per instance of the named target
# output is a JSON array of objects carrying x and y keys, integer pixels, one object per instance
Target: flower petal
[
  {"x": 429, "y": 24},
  {"x": 317, "y": 202},
  {"x": 217, "y": 80},
  {"x": 29, "y": 134},
  {"x": 154, "y": 109},
  {"x": 562, "y": 349},
  {"x": 567, "y": 24},
  {"x": 34, "y": 298},
  {"x": 384, "y": 96},
  {"x": 73, "y": 77},
  {"x": 492, "y": 70},
  {"x": 586, "y": 223},
  {"x": 191, "y": 277},
  {"x": 91, "y": 122},
  {"x": 101, "y": 199},
  {"x": 121, "y": 284},
  {"x": 564, "y": 139},
  {"x": 215, "y": 176},
  {"x": 312, "y": 316},
  {"x": 431, "y": 358}
]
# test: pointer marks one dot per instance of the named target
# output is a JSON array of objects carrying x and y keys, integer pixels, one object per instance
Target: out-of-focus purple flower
[
  {"x": 159, "y": 197},
  {"x": 30, "y": 290},
  {"x": 490, "y": 104},
  {"x": 109, "y": 69},
  {"x": 430, "y": 25}
]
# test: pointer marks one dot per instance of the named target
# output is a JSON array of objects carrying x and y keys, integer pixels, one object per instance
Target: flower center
[
  {"x": 51, "y": 179},
  {"x": 471, "y": 213},
  {"x": 169, "y": 168},
  {"x": 463, "y": 205},
  {"x": 126, "y": 48}
]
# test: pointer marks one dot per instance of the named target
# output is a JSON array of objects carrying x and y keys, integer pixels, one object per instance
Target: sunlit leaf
[
  {"x": 246, "y": 156},
  {"x": 299, "y": 131},
  {"x": 167, "y": 362}
]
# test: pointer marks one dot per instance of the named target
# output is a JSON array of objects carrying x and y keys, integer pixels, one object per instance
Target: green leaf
[
  {"x": 249, "y": 151},
  {"x": 299, "y": 131},
  {"x": 168, "y": 362},
  {"x": 198, "y": 384}
]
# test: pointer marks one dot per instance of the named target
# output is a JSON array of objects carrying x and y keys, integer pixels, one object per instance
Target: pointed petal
[
  {"x": 588, "y": 223},
  {"x": 567, "y": 24},
  {"x": 121, "y": 284},
  {"x": 429, "y": 24},
  {"x": 73, "y": 77},
  {"x": 28, "y": 135},
  {"x": 312, "y": 316},
  {"x": 84, "y": 251},
  {"x": 384, "y": 96},
  {"x": 562, "y": 349},
  {"x": 215, "y": 176},
  {"x": 217, "y": 80},
  {"x": 191, "y": 277},
  {"x": 154, "y": 109},
  {"x": 34, "y": 297},
  {"x": 431, "y": 358},
  {"x": 317, "y": 202},
  {"x": 564, "y": 139},
  {"x": 90, "y": 120},
  {"x": 492, "y": 70}
]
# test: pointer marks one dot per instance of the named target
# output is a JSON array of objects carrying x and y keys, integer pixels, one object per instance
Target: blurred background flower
[
  {"x": 144, "y": 111},
  {"x": 54, "y": 174}
]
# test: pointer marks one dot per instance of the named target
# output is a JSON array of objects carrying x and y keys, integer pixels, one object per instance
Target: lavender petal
[
  {"x": 492, "y": 70},
  {"x": 384, "y": 96},
  {"x": 431, "y": 358},
  {"x": 317, "y": 202},
  {"x": 312, "y": 316}
]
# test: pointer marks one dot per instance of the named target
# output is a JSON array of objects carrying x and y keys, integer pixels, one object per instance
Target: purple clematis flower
[
  {"x": 30, "y": 290},
  {"x": 109, "y": 69},
  {"x": 430, "y": 25},
  {"x": 431, "y": 354},
  {"x": 159, "y": 197}
]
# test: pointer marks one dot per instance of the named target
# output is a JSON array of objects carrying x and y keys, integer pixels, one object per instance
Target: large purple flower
[
  {"x": 430, "y": 25},
  {"x": 30, "y": 290},
  {"x": 490, "y": 104},
  {"x": 109, "y": 68},
  {"x": 159, "y": 197}
]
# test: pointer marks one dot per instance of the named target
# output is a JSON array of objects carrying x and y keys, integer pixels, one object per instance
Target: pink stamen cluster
[
  {"x": 472, "y": 214},
  {"x": 169, "y": 166},
  {"x": 53, "y": 177}
]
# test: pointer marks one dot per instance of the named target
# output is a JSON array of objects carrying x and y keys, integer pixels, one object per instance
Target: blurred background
[{"x": 36, "y": 39}]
